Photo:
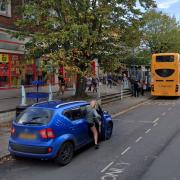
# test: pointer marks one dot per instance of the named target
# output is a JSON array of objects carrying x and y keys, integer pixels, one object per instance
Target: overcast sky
[{"x": 172, "y": 7}]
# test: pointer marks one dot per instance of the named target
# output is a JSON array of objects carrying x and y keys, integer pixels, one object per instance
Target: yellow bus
[{"x": 165, "y": 74}]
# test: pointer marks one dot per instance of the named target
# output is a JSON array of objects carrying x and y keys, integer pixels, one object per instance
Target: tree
[
  {"x": 73, "y": 32},
  {"x": 161, "y": 33}
]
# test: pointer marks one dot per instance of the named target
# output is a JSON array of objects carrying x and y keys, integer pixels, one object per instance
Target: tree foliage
[
  {"x": 73, "y": 32},
  {"x": 161, "y": 33}
]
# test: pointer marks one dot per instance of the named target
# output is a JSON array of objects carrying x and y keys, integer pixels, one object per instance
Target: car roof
[{"x": 58, "y": 104}]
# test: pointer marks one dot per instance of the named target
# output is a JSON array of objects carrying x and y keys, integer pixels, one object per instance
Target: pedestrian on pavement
[
  {"x": 94, "y": 84},
  {"x": 93, "y": 119},
  {"x": 61, "y": 84},
  {"x": 132, "y": 85},
  {"x": 89, "y": 83},
  {"x": 104, "y": 79},
  {"x": 109, "y": 80},
  {"x": 136, "y": 89},
  {"x": 139, "y": 87},
  {"x": 143, "y": 88}
]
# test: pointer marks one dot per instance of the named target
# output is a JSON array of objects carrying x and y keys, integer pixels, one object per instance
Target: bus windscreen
[
  {"x": 165, "y": 58},
  {"x": 164, "y": 72}
]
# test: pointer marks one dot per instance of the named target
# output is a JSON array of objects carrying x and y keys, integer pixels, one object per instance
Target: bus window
[
  {"x": 164, "y": 58},
  {"x": 164, "y": 72}
]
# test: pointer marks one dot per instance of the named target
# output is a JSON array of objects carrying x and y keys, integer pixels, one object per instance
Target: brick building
[{"x": 13, "y": 67}]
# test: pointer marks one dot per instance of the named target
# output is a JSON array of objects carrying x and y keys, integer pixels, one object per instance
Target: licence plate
[
  {"x": 165, "y": 93},
  {"x": 27, "y": 136}
]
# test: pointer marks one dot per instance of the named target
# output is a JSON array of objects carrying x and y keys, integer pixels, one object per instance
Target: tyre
[
  {"x": 109, "y": 131},
  {"x": 65, "y": 154}
]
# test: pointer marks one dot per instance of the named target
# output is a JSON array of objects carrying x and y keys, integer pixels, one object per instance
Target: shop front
[{"x": 14, "y": 70}]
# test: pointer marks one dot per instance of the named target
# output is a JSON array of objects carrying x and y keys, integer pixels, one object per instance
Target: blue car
[{"x": 54, "y": 130}]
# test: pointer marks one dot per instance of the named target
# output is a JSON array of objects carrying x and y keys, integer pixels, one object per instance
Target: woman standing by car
[{"x": 93, "y": 118}]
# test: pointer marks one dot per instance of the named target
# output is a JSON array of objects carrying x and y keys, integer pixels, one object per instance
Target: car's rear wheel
[
  {"x": 109, "y": 131},
  {"x": 65, "y": 154}
]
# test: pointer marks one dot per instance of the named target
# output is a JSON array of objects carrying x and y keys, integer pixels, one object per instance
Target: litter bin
[{"x": 20, "y": 108}]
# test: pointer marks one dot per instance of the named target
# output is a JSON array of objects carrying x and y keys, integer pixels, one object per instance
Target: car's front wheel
[
  {"x": 65, "y": 154},
  {"x": 109, "y": 131}
]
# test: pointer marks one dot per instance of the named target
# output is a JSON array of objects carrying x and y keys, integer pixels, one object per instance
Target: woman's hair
[{"x": 93, "y": 103}]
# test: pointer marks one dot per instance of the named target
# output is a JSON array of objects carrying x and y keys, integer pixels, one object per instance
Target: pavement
[
  {"x": 144, "y": 146},
  {"x": 8, "y": 102},
  {"x": 112, "y": 108},
  {"x": 9, "y": 99}
]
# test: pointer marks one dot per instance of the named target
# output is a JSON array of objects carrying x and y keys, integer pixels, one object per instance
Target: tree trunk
[{"x": 80, "y": 86}]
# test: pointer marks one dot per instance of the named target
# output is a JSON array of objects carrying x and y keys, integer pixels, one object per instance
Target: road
[{"x": 145, "y": 146}]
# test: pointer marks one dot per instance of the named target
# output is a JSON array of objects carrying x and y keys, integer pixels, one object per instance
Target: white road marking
[
  {"x": 156, "y": 120},
  {"x": 137, "y": 140},
  {"x": 148, "y": 131},
  {"x": 110, "y": 164},
  {"x": 169, "y": 108},
  {"x": 164, "y": 113},
  {"x": 126, "y": 150},
  {"x": 155, "y": 124},
  {"x": 122, "y": 163}
]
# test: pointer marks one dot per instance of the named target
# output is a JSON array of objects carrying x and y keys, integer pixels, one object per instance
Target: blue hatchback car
[{"x": 54, "y": 130}]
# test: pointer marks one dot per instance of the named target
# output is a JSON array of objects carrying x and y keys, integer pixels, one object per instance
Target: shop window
[{"x": 5, "y": 8}]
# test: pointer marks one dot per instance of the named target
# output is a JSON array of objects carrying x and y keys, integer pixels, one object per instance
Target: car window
[
  {"x": 83, "y": 110},
  {"x": 68, "y": 114},
  {"x": 74, "y": 114},
  {"x": 35, "y": 116}
]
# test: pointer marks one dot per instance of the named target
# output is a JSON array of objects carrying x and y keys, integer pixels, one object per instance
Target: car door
[{"x": 79, "y": 127}]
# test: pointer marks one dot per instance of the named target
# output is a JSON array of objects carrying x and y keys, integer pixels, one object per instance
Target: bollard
[{"x": 23, "y": 95}]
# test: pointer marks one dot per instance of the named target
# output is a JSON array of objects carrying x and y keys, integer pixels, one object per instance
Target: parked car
[{"x": 54, "y": 130}]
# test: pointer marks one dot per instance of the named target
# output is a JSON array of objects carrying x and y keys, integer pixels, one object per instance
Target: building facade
[{"x": 13, "y": 67}]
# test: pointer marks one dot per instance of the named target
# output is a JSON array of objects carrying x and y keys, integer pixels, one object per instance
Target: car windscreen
[
  {"x": 165, "y": 58},
  {"x": 35, "y": 116}
]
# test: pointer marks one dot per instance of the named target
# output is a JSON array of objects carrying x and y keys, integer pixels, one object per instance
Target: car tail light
[
  {"x": 49, "y": 150},
  {"x": 13, "y": 131},
  {"x": 152, "y": 87},
  {"x": 177, "y": 88},
  {"x": 50, "y": 133},
  {"x": 43, "y": 134},
  {"x": 47, "y": 133}
]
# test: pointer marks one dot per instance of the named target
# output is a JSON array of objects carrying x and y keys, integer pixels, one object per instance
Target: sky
[{"x": 171, "y": 7}]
